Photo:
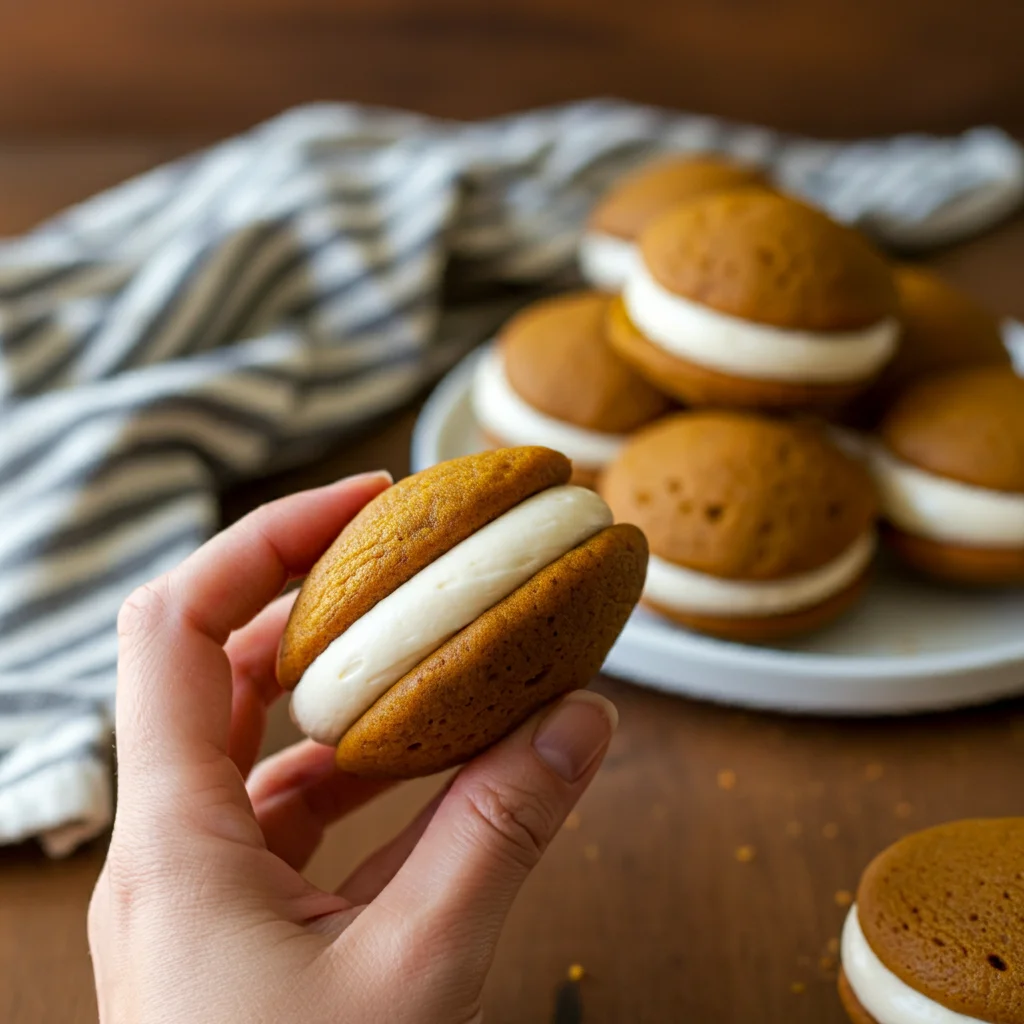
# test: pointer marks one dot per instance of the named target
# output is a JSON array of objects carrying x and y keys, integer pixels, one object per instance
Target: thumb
[{"x": 457, "y": 886}]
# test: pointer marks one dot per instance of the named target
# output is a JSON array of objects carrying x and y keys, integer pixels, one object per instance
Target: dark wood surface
[
  {"x": 822, "y": 66},
  {"x": 703, "y": 878}
]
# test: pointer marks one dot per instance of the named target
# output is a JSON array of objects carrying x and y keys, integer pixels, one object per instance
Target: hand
[{"x": 201, "y": 913}]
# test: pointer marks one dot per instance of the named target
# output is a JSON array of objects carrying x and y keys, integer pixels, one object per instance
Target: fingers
[
  {"x": 456, "y": 888},
  {"x": 366, "y": 882},
  {"x": 252, "y": 651},
  {"x": 174, "y": 681},
  {"x": 297, "y": 793}
]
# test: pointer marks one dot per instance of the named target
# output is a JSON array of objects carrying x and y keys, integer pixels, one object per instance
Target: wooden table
[{"x": 705, "y": 876}]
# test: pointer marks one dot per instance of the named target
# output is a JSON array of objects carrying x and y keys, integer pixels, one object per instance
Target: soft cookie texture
[
  {"x": 741, "y": 497},
  {"x": 943, "y": 910},
  {"x": 772, "y": 260},
  {"x": 942, "y": 329},
  {"x": 546, "y": 638},
  {"x": 558, "y": 359},
  {"x": 631, "y": 203},
  {"x": 967, "y": 426},
  {"x": 401, "y": 531}
]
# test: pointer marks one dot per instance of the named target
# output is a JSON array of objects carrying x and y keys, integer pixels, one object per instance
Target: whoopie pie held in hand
[
  {"x": 759, "y": 529},
  {"x": 750, "y": 299},
  {"x": 950, "y": 472},
  {"x": 936, "y": 935},
  {"x": 453, "y": 606},
  {"x": 553, "y": 380},
  {"x": 941, "y": 329},
  {"x": 608, "y": 247}
]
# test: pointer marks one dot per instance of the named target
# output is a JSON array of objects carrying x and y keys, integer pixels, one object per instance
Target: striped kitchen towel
[{"x": 241, "y": 309}]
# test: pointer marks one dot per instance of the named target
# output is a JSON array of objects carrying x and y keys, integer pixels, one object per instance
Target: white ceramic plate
[{"x": 908, "y": 647}]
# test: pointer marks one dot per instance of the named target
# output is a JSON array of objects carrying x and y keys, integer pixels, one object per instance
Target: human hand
[{"x": 200, "y": 913}]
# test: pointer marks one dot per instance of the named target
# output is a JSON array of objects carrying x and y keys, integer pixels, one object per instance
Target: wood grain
[
  {"x": 644, "y": 888},
  {"x": 844, "y": 67}
]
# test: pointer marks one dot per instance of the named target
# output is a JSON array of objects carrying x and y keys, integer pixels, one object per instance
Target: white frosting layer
[
  {"x": 685, "y": 590},
  {"x": 605, "y": 261},
  {"x": 500, "y": 411},
  {"x": 887, "y": 998},
  {"x": 944, "y": 510},
  {"x": 702, "y": 335},
  {"x": 412, "y": 622}
]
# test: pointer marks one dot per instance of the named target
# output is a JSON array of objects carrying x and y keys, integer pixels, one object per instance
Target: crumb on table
[
  {"x": 572, "y": 821},
  {"x": 873, "y": 772},
  {"x": 575, "y": 972},
  {"x": 745, "y": 854},
  {"x": 843, "y": 897},
  {"x": 726, "y": 779},
  {"x": 830, "y": 830}
]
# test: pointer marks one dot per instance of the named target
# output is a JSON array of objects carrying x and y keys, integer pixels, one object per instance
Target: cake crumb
[
  {"x": 575, "y": 972},
  {"x": 903, "y": 809},
  {"x": 726, "y": 779},
  {"x": 794, "y": 828},
  {"x": 828, "y": 963},
  {"x": 797, "y": 988},
  {"x": 591, "y": 852},
  {"x": 830, "y": 830},
  {"x": 832, "y": 946},
  {"x": 843, "y": 897},
  {"x": 873, "y": 772},
  {"x": 744, "y": 854},
  {"x": 572, "y": 821}
]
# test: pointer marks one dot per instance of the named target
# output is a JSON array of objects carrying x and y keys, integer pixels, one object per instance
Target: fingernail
[
  {"x": 375, "y": 474},
  {"x": 575, "y": 732}
]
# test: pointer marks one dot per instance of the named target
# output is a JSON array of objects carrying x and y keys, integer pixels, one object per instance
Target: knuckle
[
  {"x": 512, "y": 821},
  {"x": 143, "y": 609}
]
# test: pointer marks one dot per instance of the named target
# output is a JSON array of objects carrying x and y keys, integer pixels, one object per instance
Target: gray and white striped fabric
[{"x": 240, "y": 309}]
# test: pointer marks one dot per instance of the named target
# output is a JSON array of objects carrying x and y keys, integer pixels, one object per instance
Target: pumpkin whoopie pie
[
  {"x": 950, "y": 471},
  {"x": 453, "y": 606},
  {"x": 941, "y": 329},
  {"x": 936, "y": 935},
  {"x": 608, "y": 247},
  {"x": 751, "y": 299},
  {"x": 759, "y": 529},
  {"x": 552, "y": 379}
]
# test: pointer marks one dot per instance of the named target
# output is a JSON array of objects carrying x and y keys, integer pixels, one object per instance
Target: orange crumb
[
  {"x": 797, "y": 988},
  {"x": 827, "y": 963},
  {"x": 794, "y": 828},
  {"x": 727, "y": 779},
  {"x": 572, "y": 821},
  {"x": 843, "y": 897},
  {"x": 744, "y": 854},
  {"x": 591, "y": 852},
  {"x": 830, "y": 831},
  {"x": 873, "y": 772},
  {"x": 903, "y": 809},
  {"x": 576, "y": 972},
  {"x": 832, "y": 946}
]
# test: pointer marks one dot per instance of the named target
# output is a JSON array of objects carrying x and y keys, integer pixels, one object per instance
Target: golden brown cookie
[
  {"x": 957, "y": 563},
  {"x": 701, "y": 386},
  {"x": 740, "y": 496},
  {"x": 765, "y": 629},
  {"x": 772, "y": 260},
  {"x": 546, "y": 638},
  {"x": 558, "y": 360},
  {"x": 581, "y": 476},
  {"x": 851, "y": 1004},
  {"x": 942, "y": 910},
  {"x": 631, "y": 203},
  {"x": 967, "y": 426},
  {"x": 943, "y": 329},
  {"x": 398, "y": 533}
]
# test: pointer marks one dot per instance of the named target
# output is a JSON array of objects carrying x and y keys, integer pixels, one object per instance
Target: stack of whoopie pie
[{"x": 699, "y": 388}]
